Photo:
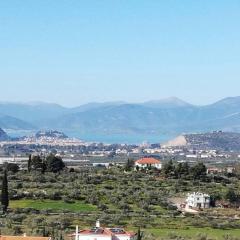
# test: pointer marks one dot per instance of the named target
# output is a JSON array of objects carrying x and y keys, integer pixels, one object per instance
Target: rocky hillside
[{"x": 213, "y": 140}]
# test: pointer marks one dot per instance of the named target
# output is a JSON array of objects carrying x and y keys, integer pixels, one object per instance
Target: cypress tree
[
  {"x": 4, "y": 197},
  {"x": 29, "y": 163},
  {"x": 129, "y": 165},
  {"x": 61, "y": 236},
  {"x": 139, "y": 234}
]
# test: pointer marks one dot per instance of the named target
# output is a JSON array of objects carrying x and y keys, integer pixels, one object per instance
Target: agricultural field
[
  {"x": 57, "y": 202},
  {"x": 195, "y": 233},
  {"x": 77, "y": 206}
]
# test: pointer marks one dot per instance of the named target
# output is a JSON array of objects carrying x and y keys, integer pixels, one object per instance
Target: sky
[{"x": 72, "y": 52}]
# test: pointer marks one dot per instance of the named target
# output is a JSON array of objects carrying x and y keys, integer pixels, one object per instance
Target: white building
[
  {"x": 148, "y": 162},
  {"x": 192, "y": 156},
  {"x": 100, "y": 233},
  {"x": 197, "y": 200}
]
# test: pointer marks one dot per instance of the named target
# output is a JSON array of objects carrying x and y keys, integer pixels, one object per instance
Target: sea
[
  {"x": 125, "y": 139},
  {"x": 107, "y": 138}
]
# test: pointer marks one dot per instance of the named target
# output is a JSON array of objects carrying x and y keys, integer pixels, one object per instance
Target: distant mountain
[
  {"x": 3, "y": 135},
  {"x": 167, "y": 117},
  {"x": 172, "y": 102},
  {"x": 122, "y": 119},
  {"x": 33, "y": 112},
  {"x": 36, "y": 112},
  {"x": 233, "y": 101},
  {"x": 8, "y": 122},
  {"x": 94, "y": 105}
]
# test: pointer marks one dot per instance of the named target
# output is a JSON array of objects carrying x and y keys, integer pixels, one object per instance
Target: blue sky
[{"x": 73, "y": 52}]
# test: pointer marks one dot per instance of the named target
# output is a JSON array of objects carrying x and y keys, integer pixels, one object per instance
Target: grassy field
[
  {"x": 49, "y": 204},
  {"x": 193, "y": 232}
]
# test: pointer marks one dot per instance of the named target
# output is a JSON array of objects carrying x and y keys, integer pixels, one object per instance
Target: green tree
[
  {"x": 37, "y": 163},
  {"x": 61, "y": 237},
  {"x": 231, "y": 196},
  {"x": 13, "y": 167},
  {"x": 185, "y": 168},
  {"x": 139, "y": 234},
  {"x": 168, "y": 168},
  {"x": 182, "y": 169},
  {"x": 29, "y": 162},
  {"x": 198, "y": 171},
  {"x": 17, "y": 230},
  {"x": 4, "y": 196},
  {"x": 129, "y": 165},
  {"x": 54, "y": 164}
]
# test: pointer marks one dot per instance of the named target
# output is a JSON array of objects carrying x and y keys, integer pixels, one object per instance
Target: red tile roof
[
  {"x": 148, "y": 161},
  {"x": 104, "y": 232},
  {"x": 89, "y": 232}
]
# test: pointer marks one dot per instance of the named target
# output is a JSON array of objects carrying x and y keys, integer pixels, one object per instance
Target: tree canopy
[
  {"x": 51, "y": 163},
  {"x": 54, "y": 164}
]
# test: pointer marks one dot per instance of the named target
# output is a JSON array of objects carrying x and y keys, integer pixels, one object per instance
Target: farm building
[
  {"x": 198, "y": 200},
  {"x": 148, "y": 162},
  {"x": 101, "y": 233}
]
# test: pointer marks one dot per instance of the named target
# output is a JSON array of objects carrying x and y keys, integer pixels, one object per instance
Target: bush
[{"x": 12, "y": 167}]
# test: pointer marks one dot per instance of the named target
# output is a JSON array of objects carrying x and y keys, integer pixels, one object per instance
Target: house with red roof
[
  {"x": 147, "y": 162},
  {"x": 101, "y": 233}
]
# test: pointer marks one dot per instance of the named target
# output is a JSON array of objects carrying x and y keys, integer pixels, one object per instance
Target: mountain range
[{"x": 141, "y": 121}]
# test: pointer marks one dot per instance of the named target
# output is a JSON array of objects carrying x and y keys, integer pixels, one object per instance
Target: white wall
[
  {"x": 122, "y": 237},
  {"x": 94, "y": 237},
  {"x": 158, "y": 166}
]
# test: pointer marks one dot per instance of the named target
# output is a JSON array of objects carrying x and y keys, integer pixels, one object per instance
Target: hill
[
  {"x": 225, "y": 141},
  {"x": 216, "y": 140},
  {"x": 51, "y": 134}
]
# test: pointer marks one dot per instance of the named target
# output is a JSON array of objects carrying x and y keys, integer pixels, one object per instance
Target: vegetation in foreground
[{"x": 52, "y": 202}]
